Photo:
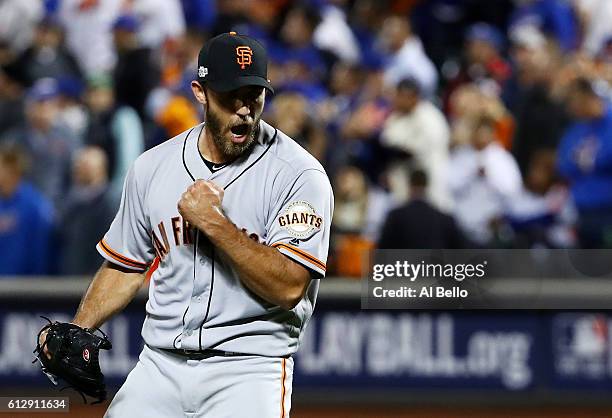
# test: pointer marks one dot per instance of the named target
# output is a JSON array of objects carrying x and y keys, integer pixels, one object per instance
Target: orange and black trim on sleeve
[
  {"x": 154, "y": 266},
  {"x": 302, "y": 254},
  {"x": 283, "y": 390},
  {"x": 121, "y": 258}
]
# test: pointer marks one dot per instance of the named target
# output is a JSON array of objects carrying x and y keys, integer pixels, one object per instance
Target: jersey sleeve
[
  {"x": 127, "y": 242},
  {"x": 300, "y": 224}
]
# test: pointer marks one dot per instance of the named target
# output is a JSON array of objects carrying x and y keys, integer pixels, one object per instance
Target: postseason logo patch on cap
[{"x": 300, "y": 220}]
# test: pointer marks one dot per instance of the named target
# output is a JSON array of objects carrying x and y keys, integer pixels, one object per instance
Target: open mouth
[{"x": 240, "y": 131}]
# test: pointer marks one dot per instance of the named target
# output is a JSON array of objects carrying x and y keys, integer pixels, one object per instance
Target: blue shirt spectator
[
  {"x": 25, "y": 220},
  {"x": 49, "y": 143},
  {"x": 88, "y": 209},
  {"x": 585, "y": 159},
  {"x": 199, "y": 13},
  {"x": 553, "y": 17}
]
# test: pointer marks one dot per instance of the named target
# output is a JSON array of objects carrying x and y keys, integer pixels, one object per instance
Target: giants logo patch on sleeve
[{"x": 300, "y": 220}]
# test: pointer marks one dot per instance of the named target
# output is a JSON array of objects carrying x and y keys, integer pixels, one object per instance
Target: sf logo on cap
[{"x": 243, "y": 56}]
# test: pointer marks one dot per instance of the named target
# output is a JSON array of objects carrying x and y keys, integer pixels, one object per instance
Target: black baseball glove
[{"x": 73, "y": 357}]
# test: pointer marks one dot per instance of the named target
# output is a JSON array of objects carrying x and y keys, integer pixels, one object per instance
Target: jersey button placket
[
  {"x": 195, "y": 315},
  {"x": 201, "y": 287}
]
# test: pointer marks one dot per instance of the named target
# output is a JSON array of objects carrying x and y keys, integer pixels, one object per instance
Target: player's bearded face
[{"x": 234, "y": 134}]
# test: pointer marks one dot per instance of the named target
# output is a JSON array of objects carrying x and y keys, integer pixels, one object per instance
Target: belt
[{"x": 201, "y": 354}]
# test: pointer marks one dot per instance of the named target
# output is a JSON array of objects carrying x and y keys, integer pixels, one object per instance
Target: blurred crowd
[{"x": 441, "y": 123}]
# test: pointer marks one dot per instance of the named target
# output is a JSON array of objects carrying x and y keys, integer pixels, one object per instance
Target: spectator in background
[
  {"x": 115, "y": 128},
  {"x": 17, "y": 21},
  {"x": 200, "y": 13},
  {"x": 290, "y": 115},
  {"x": 297, "y": 33},
  {"x": 418, "y": 224},
  {"x": 345, "y": 88},
  {"x": 229, "y": 13},
  {"x": 360, "y": 208},
  {"x": 540, "y": 118},
  {"x": 162, "y": 22},
  {"x": 136, "y": 72},
  {"x": 595, "y": 18},
  {"x": 12, "y": 103},
  {"x": 88, "y": 36},
  {"x": 407, "y": 56},
  {"x": 73, "y": 112},
  {"x": 335, "y": 65},
  {"x": 366, "y": 18},
  {"x": 530, "y": 55},
  {"x": 585, "y": 160},
  {"x": 86, "y": 213},
  {"x": 351, "y": 205},
  {"x": 264, "y": 18},
  {"x": 49, "y": 143},
  {"x": 171, "y": 105},
  {"x": 360, "y": 130},
  {"x": 482, "y": 61},
  {"x": 555, "y": 18},
  {"x": 172, "y": 110},
  {"x": 439, "y": 22},
  {"x": 603, "y": 61},
  {"x": 419, "y": 130},
  {"x": 345, "y": 85},
  {"x": 468, "y": 104},
  {"x": 184, "y": 58},
  {"x": 334, "y": 35},
  {"x": 303, "y": 66},
  {"x": 484, "y": 48},
  {"x": 542, "y": 214},
  {"x": 483, "y": 178},
  {"x": 25, "y": 219},
  {"x": 47, "y": 56}
]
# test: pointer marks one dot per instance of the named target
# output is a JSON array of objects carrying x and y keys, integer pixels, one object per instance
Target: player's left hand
[{"x": 200, "y": 205}]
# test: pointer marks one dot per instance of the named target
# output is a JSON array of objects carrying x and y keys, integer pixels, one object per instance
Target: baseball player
[{"x": 236, "y": 217}]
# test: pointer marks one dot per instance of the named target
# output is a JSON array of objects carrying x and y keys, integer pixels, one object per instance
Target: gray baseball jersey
[{"x": 278, "y": 194}]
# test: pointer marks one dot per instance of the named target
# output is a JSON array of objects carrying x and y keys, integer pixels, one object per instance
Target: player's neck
[{"x": 209, "y": 150}]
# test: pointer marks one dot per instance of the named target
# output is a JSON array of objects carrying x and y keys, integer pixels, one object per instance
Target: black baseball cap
[{"x": 230, "y": 61}]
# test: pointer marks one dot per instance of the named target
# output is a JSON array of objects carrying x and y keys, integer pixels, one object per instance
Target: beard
[{"x": 222, "y": 136}]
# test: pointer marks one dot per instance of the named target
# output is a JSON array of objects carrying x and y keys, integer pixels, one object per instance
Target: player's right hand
[{"x": 200, "y": 205}]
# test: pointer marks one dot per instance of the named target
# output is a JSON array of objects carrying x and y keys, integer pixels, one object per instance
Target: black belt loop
[{"x": 201, "y": 354}]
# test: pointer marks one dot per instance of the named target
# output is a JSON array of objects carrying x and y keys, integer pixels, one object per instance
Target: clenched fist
[{"x": 200, "y": 205}]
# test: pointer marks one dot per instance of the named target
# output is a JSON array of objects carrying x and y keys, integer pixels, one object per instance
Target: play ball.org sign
[{"x": 390, "y": 349}]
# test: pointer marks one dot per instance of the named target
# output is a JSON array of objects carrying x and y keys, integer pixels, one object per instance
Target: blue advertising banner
[
  {"x": 344, "y": 347},
  {"x": 413, "y": 350},
  {"x": 581, "y": 351},
  {"x": 18, "y": 330}
]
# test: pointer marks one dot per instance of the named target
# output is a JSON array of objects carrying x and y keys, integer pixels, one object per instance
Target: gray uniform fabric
[
  {"x": 278, "y": 194},
  {"x": 164, "y": 385}
]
